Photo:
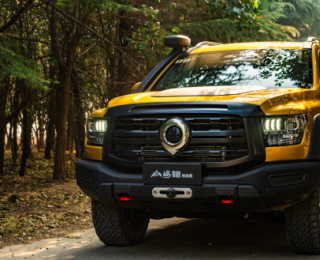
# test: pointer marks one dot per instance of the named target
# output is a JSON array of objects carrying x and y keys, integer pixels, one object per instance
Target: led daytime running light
[
  {"x": 95, "y": 131},
  {"x": 101, "y": 126},
  {"x": 273, "y": 124},
  {"x": 283, "y": 130}
]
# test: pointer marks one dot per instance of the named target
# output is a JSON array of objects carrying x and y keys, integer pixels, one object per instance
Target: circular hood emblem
[{"x": 174, "y": 135}]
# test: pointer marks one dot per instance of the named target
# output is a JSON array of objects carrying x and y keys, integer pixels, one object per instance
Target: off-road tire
[
  {"x": 302, "y": 224},
  {"x": 113, "y": 226}
]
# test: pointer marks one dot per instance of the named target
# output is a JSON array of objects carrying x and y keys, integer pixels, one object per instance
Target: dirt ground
[{"x": 34, "y": 207}]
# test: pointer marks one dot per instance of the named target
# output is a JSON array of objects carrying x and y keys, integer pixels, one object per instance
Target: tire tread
[
  {"x": 110, "y": 228},
  {"x": 302, "y": 224}
]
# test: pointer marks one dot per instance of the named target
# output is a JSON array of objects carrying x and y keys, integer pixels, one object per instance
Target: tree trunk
[
  {"x": 26, "y": 93},
  {"x": 50, "y": 126},
  {"x": 26, "y": 139},
  {"x": 59, "y": 172},
  {"x": 9, "y": 137},
  {"x": 65, "y": 69},
  {"x": 71, "y": 126},
  {"x": 125, "y": 30},
  {"x": 51, "y": 109},
  {"x": 40, "y": 141},
  {"x": 14, "y": 145},
  {"x": 36, "y": 133},
  {"x": 4, "y": 88},
  {"x": 80, "y": 120},
  {"x": 2, "y": 144}
]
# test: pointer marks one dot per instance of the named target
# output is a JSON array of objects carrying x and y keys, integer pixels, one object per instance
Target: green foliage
[
  {"x": 227, "y": 30},
  {"x": 215, "y": 20},
  {"x": 304, "y": 16},
  {"x": 152, "y": 59},
  {"x": 269, "y": 28},
  {"x": 15, "y": 65},
  {"x": 175, "y": 30},
  {"x": 243, "y": 12}
]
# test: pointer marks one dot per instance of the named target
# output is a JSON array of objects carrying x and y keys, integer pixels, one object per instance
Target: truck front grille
[{"x": 214, "y": 138}]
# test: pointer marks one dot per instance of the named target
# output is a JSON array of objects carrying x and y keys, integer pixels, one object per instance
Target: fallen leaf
[{"x": 74, "y": 236}]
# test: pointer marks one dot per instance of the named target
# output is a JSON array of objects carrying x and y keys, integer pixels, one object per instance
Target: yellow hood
[{"x": 272, "y": 101}]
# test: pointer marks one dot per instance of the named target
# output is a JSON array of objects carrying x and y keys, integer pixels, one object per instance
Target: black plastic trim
[
  {"x": 147, "y": 81},
  {"x": 314, "y": 150},
  {"x": 236, "y": 108},
  {"x": 225, "y": 191},
  {"x": 177, "y": 41},
  {"x": 85, "y": 176},
  {"x": 253, "y": 191},
  {"x": 286, "y": 179},
  {"x": 83, "y": 154},
  {"x": 179, "y": 106}
]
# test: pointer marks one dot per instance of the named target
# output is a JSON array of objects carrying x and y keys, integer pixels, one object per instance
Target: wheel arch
[{"x": 314, "y": 150}]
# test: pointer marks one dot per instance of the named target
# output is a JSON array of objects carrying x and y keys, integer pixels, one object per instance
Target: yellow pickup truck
[{"x": 214, "y": 131}]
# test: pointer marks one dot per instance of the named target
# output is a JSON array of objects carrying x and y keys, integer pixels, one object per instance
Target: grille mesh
[
  {"x": 174, "y": 134},
  {"x": 214, "y": 138}
]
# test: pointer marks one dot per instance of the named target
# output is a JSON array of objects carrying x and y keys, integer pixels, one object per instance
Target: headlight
[
  {"x": 283, "y": 130},
  {"x": 95, "y": 131}
]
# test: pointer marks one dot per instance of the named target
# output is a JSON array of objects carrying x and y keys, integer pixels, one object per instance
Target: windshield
[{"x": 270, "y": 68}]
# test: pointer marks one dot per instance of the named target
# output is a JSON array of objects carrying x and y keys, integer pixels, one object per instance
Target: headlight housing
[
  {"x": 95, "y": 131},
  {"x": 283, "y": 130}
]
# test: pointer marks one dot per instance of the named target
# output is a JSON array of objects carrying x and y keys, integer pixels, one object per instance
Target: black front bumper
[{"x": 271, "y": 186}]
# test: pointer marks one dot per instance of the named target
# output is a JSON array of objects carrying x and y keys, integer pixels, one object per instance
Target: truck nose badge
[{"x": 174, "y": 135}]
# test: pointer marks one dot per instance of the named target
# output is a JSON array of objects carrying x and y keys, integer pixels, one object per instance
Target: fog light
[
  {"x": 230, "y": 201},
  {"x": 125, "y": 198}
]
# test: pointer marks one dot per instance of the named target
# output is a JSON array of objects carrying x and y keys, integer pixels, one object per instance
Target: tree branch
[
  {"x": 81, "y": 54},
  {"x": 16, "y": 16},
  {"x": 32, "y": 40},
  {"x": 98, "y": 36}
]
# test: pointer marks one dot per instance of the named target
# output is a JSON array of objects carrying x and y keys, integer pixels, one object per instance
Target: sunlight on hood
[{"x": 208, "y": 91}]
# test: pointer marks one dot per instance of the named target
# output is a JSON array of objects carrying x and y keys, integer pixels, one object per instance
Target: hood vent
[{"x": 180, "y": 106}]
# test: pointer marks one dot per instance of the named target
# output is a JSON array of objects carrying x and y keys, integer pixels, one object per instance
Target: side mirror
[{"x": 135, "y": 87}]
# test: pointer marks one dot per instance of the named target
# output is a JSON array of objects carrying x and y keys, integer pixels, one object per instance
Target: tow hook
[{"x": 171, "y": 193}]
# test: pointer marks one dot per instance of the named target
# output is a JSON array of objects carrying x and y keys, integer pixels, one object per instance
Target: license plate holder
[{"x": 172, "y": 173}]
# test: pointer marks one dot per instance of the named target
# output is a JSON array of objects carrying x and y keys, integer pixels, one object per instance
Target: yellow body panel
[
  {"x": 272, "y": 101},
  {"x": 251, "y": 46},
  {"x": 280, "y": 101},
  {"x": 99, "y": 113},
  {"x": 93, "y": 152},
  {"x": 135, "y": 87}
]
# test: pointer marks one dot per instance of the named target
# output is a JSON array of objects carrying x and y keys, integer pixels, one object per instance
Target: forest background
[{"x": 62, "y": 59}]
